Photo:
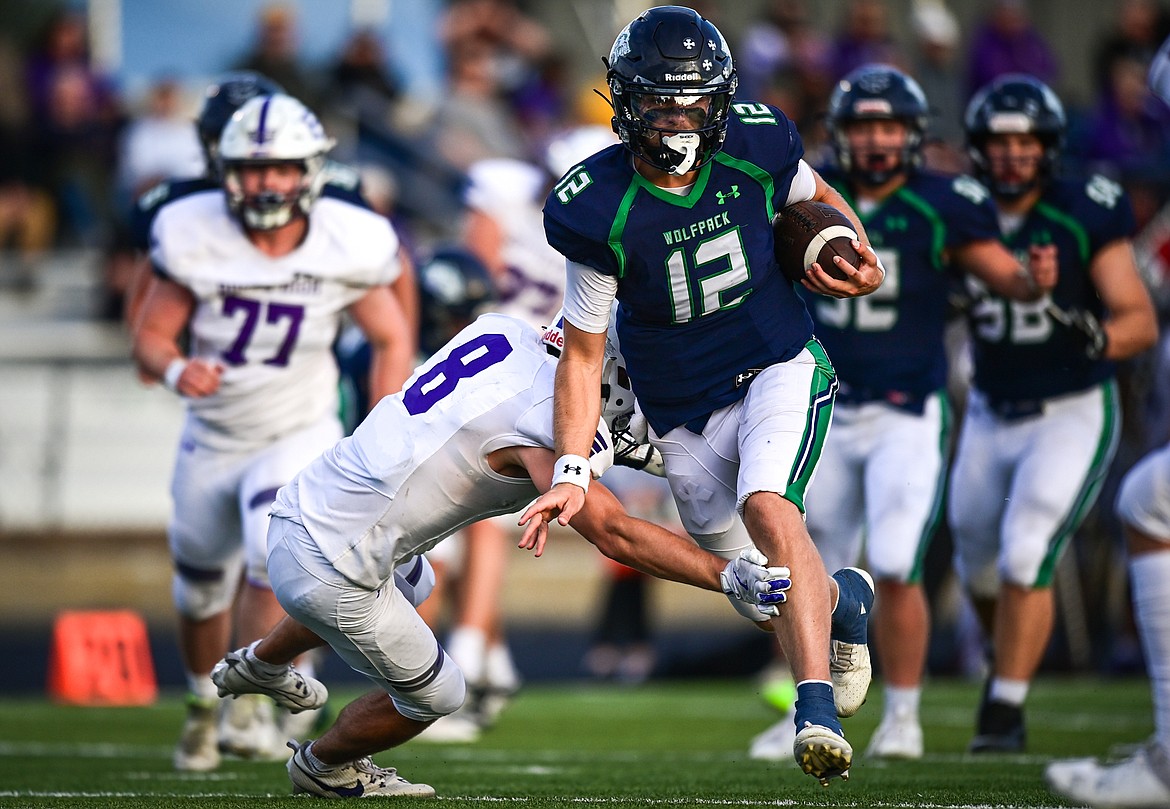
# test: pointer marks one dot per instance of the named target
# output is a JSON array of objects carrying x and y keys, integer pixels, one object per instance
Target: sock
[
  {"x": 902, "y": 701},
  {"x": 267, "y": 669},
  {"x": 467, "y": 646},
  {"x": 314, "y": 762},
  {"x": 814, "y": 703},
  {"x": 849, "y": 619},
  {"x": 500, "y": 669},
  {"x": 1013, "y": 692},
  {"x": 201, "y": 687},
  {"x": 1150, "y": 580}
]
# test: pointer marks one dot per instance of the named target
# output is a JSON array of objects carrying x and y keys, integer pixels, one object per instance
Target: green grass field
[{"x": 662, "y": 744}]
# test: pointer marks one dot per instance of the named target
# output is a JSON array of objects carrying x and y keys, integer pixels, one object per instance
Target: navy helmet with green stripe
[{"x": 671, "y": 79}]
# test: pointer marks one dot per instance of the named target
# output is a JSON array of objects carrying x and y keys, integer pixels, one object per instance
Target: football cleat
[
  {"x": 1142, "y": 780},
  {"x": 775, "y": 743},
  {"x": 247, "y": 729},
  {"x": 822, "y": 753},
  {"x": 236, "y": 675},
  {"x": 898, "y": 736},
  {"x": 357, "y": 779},
  {"x": 197, "y": 750},
  {"x": 850, "y": 668},
  {"x": 1000, "y": 728},
  {"x": 460, "y": 727}
]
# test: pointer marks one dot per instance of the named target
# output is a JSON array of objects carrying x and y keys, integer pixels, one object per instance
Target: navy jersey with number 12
[{"x": 702, "y": 298}]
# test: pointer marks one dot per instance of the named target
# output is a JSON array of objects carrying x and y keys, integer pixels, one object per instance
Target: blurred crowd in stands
[{"x": 74, "y": 151}]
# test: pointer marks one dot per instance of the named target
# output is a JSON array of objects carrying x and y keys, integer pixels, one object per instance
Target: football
[{"x": 808, "y": 232}]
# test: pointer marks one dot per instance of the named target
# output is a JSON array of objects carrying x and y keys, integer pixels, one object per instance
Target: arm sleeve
[
  {"x": 803, "y": 185},
  {"x": 589, "y": 297}
]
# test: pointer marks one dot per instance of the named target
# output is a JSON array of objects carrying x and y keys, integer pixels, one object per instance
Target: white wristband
[
  {"x": 171, "y": 375},
  {"x": 572, "y": 469}
]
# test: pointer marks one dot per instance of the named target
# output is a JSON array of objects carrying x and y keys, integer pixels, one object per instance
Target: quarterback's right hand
[
  {"x": 560, "y": 502},
  {"x": 749, "y": 579}
]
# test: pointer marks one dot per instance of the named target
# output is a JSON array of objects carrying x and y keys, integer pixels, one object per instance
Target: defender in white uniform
[
  {"x": 469, "y": 436},
  {"x": 257, "y": 274}
]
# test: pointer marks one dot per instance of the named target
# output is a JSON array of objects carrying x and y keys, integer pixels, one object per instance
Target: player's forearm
[
  {"x": 576, "y": 408},
  {"x": 390, "y": 367},
  {"x": 153, "y": 353},
  {"x": 1129, "y": 333},
  {"x": 643, "y": 545}
]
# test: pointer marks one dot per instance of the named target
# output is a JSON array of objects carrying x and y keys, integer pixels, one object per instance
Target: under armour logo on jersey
[
  {"x": 576, "y": 470},
  {"x": 723, "y": 196}
]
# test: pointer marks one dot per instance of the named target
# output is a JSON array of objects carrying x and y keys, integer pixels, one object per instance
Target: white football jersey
[
  {"x": 415, "y": 471},
  {"x": 512, "y": 193},
  {"x": 269, "y": 321}
]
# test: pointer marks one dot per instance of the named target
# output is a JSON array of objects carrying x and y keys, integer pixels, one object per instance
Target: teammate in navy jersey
[
  {"x": 674, "y": 224},
  {"x": 1042, "y": 417},
  {"x": 881, "y": 475}
]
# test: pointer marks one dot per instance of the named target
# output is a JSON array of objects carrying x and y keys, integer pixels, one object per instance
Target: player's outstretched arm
[
  {"x": 165, "y": 313},
  {"x": 380, "y": 317},
  {"x": 993, "y": 264}
]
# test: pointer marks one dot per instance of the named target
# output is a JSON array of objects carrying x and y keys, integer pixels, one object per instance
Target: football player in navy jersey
[
  {"x": 1042, "y": 418},
  {"x": 881, "y": 475},
  {"x": 674, "y": 224}
]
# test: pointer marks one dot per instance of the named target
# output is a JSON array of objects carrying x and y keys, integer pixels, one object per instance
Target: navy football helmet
[
  {"x": 1015, "y": 103},
  {"x": 220, "y": 102},
  {"x": 454, "y": 287},
  {"x": 877, "y": 92},
  {"x": 671, "y": 79}
]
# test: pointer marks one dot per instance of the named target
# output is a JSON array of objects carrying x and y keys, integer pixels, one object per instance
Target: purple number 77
[{"x": 276, "y": 312}]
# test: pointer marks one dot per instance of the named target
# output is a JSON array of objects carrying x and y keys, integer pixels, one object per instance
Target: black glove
[{"x": 1085, "y": 327}]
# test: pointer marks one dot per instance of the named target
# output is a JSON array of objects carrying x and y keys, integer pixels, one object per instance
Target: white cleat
[
  {"x": 776, "y": 742},
  {"x": 197, "y": 750},
  {"x": 850, "y": 668},
  {"x": 1137, "y": 782},
  {"x": 898, "y": 736},
  {"x": 235, "y": 675},
  {"x": 851, "y": 671},
  {"x": 822, "y": 753},
  {"x": 457, "y": 728},
  {"x": 357, "y": 779},
  {"x": 247, "y": 729}
]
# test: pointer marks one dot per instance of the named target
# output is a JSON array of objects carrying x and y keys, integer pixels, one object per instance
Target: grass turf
[{"x": 663, "y": 744}]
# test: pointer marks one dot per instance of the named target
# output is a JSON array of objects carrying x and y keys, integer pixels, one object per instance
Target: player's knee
[
  {"x": 443, "y": 695},
  {"x": 415, "y": 580},
  {"x": 1021, "y": 566},
  {"x": 202, "y": 593}
]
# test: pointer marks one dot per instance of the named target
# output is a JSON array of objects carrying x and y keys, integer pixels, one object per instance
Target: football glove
[
  {"x": 1085, "y": 327},
  {"x": 749, "y": 579}
]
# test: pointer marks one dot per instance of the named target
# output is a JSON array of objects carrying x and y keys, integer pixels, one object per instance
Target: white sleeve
[
  {"x": 589, "y": 297},
  {"x": 803, "y": 184}
]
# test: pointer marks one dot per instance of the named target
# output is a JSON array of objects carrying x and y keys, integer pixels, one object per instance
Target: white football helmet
[
  {"x": 273, "y": 129},
  {"x": 617, "y": 395}
]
